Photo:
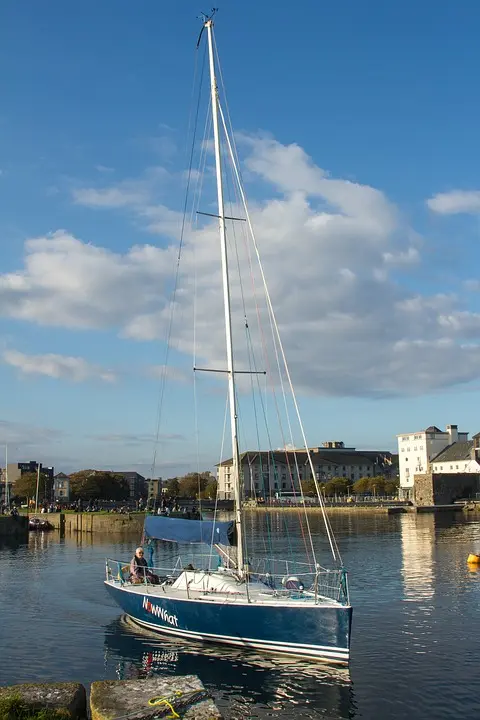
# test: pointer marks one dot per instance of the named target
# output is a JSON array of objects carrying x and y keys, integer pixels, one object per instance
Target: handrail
[{"x": 321, "y": 582}]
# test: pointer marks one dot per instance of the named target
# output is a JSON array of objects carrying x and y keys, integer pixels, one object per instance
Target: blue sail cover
[{"x": 189, "y": 531}]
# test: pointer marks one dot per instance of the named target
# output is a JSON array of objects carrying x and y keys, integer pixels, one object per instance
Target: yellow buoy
[{"x": 473, "y": 559}]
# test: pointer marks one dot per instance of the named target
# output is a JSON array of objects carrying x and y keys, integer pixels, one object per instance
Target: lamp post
[{"x": 7, "y": 487}]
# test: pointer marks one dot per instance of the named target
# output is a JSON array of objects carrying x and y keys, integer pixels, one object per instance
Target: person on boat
[{"x": 139, "y": 570}]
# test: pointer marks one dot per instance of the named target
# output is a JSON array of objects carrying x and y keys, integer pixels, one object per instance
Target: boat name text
[{"x": 160, "y": 612}]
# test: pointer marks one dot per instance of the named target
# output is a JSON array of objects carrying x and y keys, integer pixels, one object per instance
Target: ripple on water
[{"x": 414, "y": 648}]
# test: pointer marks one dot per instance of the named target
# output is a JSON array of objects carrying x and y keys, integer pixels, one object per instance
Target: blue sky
[{"x": 359, "y": 134}]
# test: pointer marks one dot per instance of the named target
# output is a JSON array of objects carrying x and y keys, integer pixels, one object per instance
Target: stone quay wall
[
  {"x": 443, "y": 489},
  {"x": 92, "y": 522}
]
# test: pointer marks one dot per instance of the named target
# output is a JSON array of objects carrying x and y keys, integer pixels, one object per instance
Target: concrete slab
[
  {"x": 114, "y": 699},
  {"x": 68, "y": 699}
]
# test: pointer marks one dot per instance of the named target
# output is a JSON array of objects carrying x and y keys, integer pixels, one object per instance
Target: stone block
[
  {"x": 68, "y": 699},
  {"x": 117, "y": 698}
]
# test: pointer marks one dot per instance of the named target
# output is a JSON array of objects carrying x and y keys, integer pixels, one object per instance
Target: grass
[
  {"x": 24, "y": 511},
  {"x": 14, "y": 708}
]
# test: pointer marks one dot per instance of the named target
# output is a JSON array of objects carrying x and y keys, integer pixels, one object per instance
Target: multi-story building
[
  {"x": 417, "y": 450},
  {"x": 61, "y": 487},
  {"x": 267, "y": 474},
  {"x": 6, "y": 487},
  {"x": 16, "y": 470},
  {"x": 462, "y": 457},
  {"x": 154, "y": 489},
  {"x": 136, "y": 483}
]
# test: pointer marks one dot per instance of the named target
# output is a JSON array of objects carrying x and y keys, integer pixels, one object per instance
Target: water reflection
[
  {"x": 418, "y": 545},
  {"x": 249, "y": 685}
]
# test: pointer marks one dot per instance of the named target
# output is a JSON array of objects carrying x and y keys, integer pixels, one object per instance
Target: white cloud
[
  {"x": 333, "y": 251},
  {"x": 139, "y": 196},
  {"x": 22, "y": 434},
  {"x": 68, "y": 283},
  {"x": 74, "y": 369},
  {"x": 455, "y": 201}
]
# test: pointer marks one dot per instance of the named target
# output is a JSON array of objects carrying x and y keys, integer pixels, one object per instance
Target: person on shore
[{"x": 139, "y": 569}]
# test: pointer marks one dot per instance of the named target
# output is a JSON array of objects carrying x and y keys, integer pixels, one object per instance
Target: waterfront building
[
  {"x": 16, "y": 470},
  {"x": 5, "y": 493},
  {"x": 417, "y": 450},
  {"x": 271, "y": 474},
  {"x": 136, "y": 483},
  {"x": 154, "y": 489},
  {"x": 61, "y": 487}
]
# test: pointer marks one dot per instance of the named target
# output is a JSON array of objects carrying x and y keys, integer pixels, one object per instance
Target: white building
[
  {"x": 269, "y": 474},
  {"x": 462, "y": 457},
  {"x": 61, "y": 487},
  {"x": 417, "y": 450}
]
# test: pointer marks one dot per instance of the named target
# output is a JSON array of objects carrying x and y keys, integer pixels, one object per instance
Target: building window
[
  {"x": 451, "y": 467},
  {"x": 284, "y": 485},
  {"x": 415, "y": 448},
  {"x": 421, "y": 447},
  {"x": 456, "y": 467}
]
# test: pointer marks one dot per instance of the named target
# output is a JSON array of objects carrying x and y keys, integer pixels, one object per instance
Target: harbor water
[{"x": 414, "y": 648}]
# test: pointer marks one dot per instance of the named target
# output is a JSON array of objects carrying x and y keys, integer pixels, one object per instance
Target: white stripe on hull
[{"x": 335, "y": 655}]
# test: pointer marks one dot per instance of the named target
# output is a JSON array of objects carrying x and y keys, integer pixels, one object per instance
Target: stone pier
[
  {"x": 69, "y": 523},
  {"x": 172, "y": 696},
  {"x": 66, "y": 700},
  {"x": 116, "y": 698}
]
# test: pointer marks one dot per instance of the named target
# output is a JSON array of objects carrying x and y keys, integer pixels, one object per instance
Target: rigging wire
[
  {"x": 180, "y": 247},
  {"x": 242, "y": 201},
  {"x": 331, "y": 538}
]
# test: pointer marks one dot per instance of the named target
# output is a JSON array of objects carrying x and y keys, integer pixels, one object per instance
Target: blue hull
[{"x": 319, "y": 632}]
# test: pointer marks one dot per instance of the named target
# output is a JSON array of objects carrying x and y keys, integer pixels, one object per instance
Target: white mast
[
  {"x": 226, "y": 299},
  {"x": 38, "y": 483},
  {"x": 7, "y": 489}
]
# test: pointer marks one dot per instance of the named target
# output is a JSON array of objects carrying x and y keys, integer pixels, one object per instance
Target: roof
[
  {"x": 61, "y": 476},
  {"x": 455, "y": 451},
  {"x": 335, "y": 457},
  {"x": 278, "y": 456},
  {"x": 433, "y": 429},
  {"x": 474, "y": 437}
]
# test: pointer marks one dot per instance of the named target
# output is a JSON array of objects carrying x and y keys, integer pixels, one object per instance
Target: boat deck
[{"x": 258, "y": 596}]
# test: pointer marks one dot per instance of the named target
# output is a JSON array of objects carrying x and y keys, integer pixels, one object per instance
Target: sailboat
[{"x": 229, "y": 597}]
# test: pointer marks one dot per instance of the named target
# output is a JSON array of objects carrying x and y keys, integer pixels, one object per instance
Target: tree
[
  {"x": 391, "y": 486},
  {"x": 362, "y": 486},
  {"x": 193, "y": 484},
  {"x": 172, "y": 487},
  {"x": 308, "y": 487},
  {"x": 210, "y": 491},
  {"x": 337, "y": 486},
  {"x": 96, "y": 484},
  {"x": 26, "y": 486}
]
